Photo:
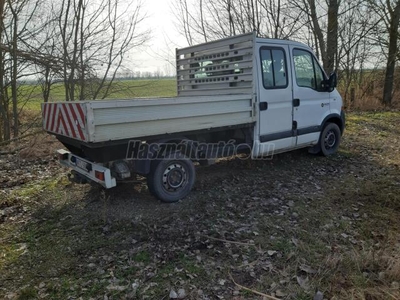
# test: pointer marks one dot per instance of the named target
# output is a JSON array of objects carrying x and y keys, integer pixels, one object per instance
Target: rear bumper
[{"x": 87, "y": 169}]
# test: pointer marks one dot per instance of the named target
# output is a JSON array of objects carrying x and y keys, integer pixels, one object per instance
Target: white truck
[{"x": 241, "y": 94}]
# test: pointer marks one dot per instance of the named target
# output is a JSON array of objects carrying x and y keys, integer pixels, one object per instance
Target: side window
[
  {"x": 273, "y": 65},
  {"x": 319, "y": 75},
  {"x": 308, "y": 72}
]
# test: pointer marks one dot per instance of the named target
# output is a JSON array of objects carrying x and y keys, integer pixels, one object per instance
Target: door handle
[
  {"x": 263, "y": 106},
  {"x": 296, "y": 102}
]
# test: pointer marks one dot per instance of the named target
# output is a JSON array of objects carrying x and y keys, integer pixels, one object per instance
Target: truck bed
[
  {"x": 215, "y": 88},
  {"x": 108, "y": 120}
]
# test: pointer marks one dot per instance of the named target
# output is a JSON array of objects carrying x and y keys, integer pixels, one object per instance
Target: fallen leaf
[
  {"x": 318, "y": 296},
  {"x": 295, "y": 241},
  {"x": 181, "y": 293},
  {"x": 173, "y": 295},
  {"x": 118, "y": 288},
  {"x": 279, "y": 293},
  {"x": 307, "y": 269},
  {"x": 303, "y": 282},
  {"x": 290, "y": 256}
]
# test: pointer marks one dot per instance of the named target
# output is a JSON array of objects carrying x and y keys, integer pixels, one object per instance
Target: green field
[{"x": 30, "y": 96}]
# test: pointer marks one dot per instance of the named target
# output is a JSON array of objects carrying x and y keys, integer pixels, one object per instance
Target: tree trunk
[
  {"x": 332, "y": 36},
  {"x": 46, "y": 86},
  {"x": 391, "y": 62},
  {"x": 82, "y": 68},
  {"x": 14, "y": 74},
  {"x": 318, "y": 31},
  {"x": 5, "y": 133},
  {"x": 75, "y": 52},
  {"x": 63, "y": 24}
]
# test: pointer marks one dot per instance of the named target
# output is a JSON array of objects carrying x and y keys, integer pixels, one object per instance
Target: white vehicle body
[
  {"x": 272, "y": 95},
  {"x": 276, "y": 124}
]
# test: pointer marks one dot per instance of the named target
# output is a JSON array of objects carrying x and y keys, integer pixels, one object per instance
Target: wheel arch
[{"x": 333, "y": 118}]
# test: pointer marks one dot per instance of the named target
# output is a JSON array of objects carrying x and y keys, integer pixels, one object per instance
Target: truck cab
[{"x": 296, "y": 97}]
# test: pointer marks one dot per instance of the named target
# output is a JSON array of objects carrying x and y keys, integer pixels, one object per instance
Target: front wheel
[
  {"x": 171, "y": 179},
  {"x": 330, "y": 139}
]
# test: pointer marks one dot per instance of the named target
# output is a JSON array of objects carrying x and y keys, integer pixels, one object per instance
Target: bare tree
[
  {"x": 81, "y": 42},
  {"x": 355, "y": 49},
  {"x": 268, "y": 18},
  {"x": 16, "y": 28},
  {"x": 93, "y": 46},
  {"x": 322, "y": 20},
  {"x": 217, "y": 19},
  {"x": 332, "y": 35},
  {"x": 4, "y": 127},
  {"x": 389, "y": 13}
]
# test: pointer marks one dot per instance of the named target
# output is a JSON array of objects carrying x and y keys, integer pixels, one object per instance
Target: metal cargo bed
[
  {"x": 215, "y": 88},
  {"x": 100, "y": 121}
]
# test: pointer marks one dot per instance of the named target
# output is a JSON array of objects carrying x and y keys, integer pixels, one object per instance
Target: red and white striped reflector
[{"x": 67, "y": 119}]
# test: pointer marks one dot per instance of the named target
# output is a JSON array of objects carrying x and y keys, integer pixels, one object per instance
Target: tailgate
[{"x": 66, "y": 119}]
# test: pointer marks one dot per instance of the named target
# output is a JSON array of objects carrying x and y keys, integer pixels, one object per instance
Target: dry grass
[
  {"x": 368, "y": 91},
  {"x": 371, "y": 274}
]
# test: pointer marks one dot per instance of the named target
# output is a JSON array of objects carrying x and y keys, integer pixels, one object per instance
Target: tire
[
  {"x": 171, "y": 179},
  {"x": 330, "y": 138}
]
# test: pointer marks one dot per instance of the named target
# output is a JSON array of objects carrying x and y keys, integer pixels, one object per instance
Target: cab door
[
  {"x": 310, "y": 99},
  {"x": 275, "y": 93}
]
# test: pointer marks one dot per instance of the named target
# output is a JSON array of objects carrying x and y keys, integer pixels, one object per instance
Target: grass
[
  {"x": 142, "y": 256},
  {"x": 31, "y": 95},
  {"x": 28, "y": 293}
]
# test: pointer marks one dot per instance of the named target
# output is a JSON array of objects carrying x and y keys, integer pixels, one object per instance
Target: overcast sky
[{"x": 164, "y": 38}]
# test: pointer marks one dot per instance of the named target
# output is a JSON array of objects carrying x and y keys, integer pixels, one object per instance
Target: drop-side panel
[
  {"x": 126, "y": 119},
  {"x": 66, "y": 119}
]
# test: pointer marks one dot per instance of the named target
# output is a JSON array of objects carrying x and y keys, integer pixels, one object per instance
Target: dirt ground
[{"x": 298, "y": 226}]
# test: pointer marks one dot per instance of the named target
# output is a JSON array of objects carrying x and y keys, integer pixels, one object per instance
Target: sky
[{"x": 164, "y": 39}]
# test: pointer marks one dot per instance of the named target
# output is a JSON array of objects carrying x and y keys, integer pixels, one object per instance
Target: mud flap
[{"x": 315, "y": 150}]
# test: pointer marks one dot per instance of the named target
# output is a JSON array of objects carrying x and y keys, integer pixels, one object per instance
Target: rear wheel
[
  {"x": 330, "y": 139},
  {"x": 171, "y": 179}
]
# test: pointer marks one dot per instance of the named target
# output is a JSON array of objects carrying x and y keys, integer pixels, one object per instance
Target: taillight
[
  {"x": 99, "y": 175},
  {"x": 62, "y": 156}
]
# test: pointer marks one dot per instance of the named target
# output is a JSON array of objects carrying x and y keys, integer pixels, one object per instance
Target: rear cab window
[{"x": 273, "y": 67}]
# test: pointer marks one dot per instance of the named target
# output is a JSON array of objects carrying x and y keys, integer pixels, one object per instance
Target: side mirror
[{"x": 332, "y": 81}]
